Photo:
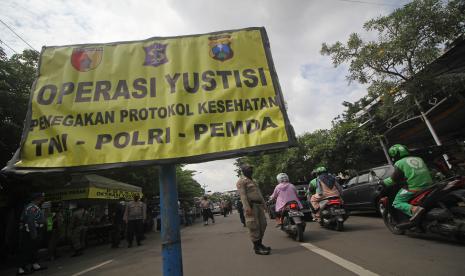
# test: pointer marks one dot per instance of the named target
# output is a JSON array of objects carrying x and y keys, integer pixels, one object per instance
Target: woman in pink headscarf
[{"x": 284, "y": 192}]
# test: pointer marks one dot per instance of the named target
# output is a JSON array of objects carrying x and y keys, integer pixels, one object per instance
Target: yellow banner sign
[
  {"x": 90, "y": 193},
  {"x": 162, "y": 100}
]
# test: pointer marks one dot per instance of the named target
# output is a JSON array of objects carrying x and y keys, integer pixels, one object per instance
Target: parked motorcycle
[
  {"x": 444, "y": 214},
  {"x": 293, "y": 221},
  {"x": 332, "y": 213}
]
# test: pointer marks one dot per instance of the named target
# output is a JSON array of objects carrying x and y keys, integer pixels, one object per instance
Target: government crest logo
[
  {"x": 155, "y": 54},
  {"x": 220, "y": 47},
  {"x": 86, "y": 59}
]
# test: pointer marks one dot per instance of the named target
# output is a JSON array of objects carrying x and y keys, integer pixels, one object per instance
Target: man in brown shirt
[{"x": 254, "y": 206}]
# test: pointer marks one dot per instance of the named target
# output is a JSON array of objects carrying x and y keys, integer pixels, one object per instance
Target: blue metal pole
[{"x": 170, "y": 232}]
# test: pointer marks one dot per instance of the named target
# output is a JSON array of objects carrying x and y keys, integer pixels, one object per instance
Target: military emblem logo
[
  {"x": 155, "y": 54},
  {"x": 220, "y": 47},
  {"x": 86, "y": 59}
]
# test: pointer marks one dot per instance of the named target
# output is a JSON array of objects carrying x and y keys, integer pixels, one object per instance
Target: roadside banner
[{"x": 162, "y": 100}]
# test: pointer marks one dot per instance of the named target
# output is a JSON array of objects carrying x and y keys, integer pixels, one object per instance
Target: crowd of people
[{"x": 125, "y": 219}]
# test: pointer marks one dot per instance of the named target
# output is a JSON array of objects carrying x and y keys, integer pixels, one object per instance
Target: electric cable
[{"x": 11, "y": 29}]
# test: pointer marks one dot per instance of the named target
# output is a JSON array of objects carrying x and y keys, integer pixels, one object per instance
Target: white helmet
[{"x": 282, "y": 177}]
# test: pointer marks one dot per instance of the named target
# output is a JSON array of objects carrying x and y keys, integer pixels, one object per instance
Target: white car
[{"x": 216, "y": 209}]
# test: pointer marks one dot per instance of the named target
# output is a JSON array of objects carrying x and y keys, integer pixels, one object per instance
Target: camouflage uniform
[
  {"x": 78, "y": 230},
  {"x": 252, "y": 199}
]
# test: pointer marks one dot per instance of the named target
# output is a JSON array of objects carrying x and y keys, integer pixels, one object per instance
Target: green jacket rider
[{"x": 410, "y": 170}]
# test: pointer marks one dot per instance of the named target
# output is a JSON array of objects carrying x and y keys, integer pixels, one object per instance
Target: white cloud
[{"x": 313, "y": 89}]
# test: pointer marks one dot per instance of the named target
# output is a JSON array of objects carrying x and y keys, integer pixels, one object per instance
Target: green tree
[
  {"x": 17, "y": 73},
  {"x": 407, "y": 41}
]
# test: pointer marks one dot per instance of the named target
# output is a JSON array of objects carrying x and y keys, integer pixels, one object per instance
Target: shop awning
[{"x": 92, "y": 186}]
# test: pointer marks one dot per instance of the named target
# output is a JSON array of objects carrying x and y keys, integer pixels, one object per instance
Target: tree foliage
[
  {"x": 344, "y": 148},
  {"x": 407, "y": 40},
  {"x": 17, "y": 74}
]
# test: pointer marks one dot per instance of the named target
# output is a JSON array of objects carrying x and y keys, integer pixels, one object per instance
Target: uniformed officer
[
  {"x": 78, "y": 231},
  {"x": 254, "y": 205},
  {"x": 31, "y": 224}
]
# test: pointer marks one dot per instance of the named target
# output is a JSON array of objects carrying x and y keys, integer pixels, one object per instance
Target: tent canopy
[{"x": 92, "y": 186}]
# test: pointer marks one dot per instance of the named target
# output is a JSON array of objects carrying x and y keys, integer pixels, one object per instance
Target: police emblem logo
[
  {"x": 155, "y": 54},
  {"x": 86, "y": 59},
  {"x": 220, "y": 47}
]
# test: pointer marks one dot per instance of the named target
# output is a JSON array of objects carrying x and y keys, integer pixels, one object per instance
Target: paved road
[{"x": 366, "y": 248}]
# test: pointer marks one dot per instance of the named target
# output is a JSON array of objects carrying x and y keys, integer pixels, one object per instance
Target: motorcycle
[
  {"x": 293, "y": 221},
  {"x": 444, "y": 214},
  {"x": 332, "y": 213}
]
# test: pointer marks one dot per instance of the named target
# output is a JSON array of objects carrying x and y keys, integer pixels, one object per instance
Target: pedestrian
[
  {"x": 78, "y": 230},
  {"x": 254, "y": 207},
  {"x": 207, "y": 213},
  {"x": 57, "y": 231},
  {"x": 31, "y": 229},
  {"x": 117, "y": 221},
  {"x": 224, "y": 207},
  {"x": 240, "y": 210},
  {"x": 134, "y": 216}
]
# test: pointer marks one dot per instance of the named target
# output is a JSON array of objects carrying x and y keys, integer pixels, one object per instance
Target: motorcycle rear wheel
[
  {"x": 339, "y": 226},
  {"x": 300, "y": 233}
]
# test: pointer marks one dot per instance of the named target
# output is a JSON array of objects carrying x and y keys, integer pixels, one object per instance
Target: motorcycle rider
[
  {"x": 326, "y": 186},
  {"x": 312, "y": 185},
  {"x": 284, "y": 192},
  {"x": 412, "y": 170}
]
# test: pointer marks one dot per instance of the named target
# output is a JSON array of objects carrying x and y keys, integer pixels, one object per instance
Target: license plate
[
  {"x": 295, "y": 214},
  {"x": 339, "y": 212}
]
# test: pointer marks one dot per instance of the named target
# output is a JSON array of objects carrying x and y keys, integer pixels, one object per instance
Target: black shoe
[
  {"x": 260, "y": 250},
  {"x": 264, "y": 246},
  {"x": 23, "y": 271},
  {"x": 39, "y": 267}
]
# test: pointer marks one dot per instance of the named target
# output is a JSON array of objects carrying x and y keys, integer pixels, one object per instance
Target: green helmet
[
  {"x": 321, "y": 170},
  {"x": 398, "y": 151}
]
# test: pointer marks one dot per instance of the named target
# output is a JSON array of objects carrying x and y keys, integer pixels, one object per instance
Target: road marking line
[
  {"x": 338, "y": 260},
  {"x": 92, "y": 268}
]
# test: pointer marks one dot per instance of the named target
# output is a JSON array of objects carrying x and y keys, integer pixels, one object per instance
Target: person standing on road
[
  {"x": 254, "y": 206},
  {"x": 78, "y": 230},
  {"x": 206, "y": 206},
  {"x": 117, "y": 220},
  {"x": 224, "y": 207},
  {"x": 240, "y": 210},
  {"x": 134, "y": 216},
  {"x": 57, "y": 231},
  {"x": 31, "y": 225}
]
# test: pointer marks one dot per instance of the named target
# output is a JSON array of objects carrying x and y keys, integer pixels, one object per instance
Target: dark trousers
[
  {"x": 116, "y": 235},
  {"x": 27, "y": 254},
  {"x": 135, "y": 227},
  {"x": 207, "y": 213},
  {"x": 241, "y": 215}
]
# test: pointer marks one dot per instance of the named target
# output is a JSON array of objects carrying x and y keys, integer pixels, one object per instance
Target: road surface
[{"x": 366, "y": 247}]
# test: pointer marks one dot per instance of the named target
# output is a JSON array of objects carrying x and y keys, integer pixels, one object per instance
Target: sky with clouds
[{"x": 312, "y": 87}]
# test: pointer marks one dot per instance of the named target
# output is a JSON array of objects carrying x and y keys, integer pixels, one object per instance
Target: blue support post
[{"x": 170, "y": 232}]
